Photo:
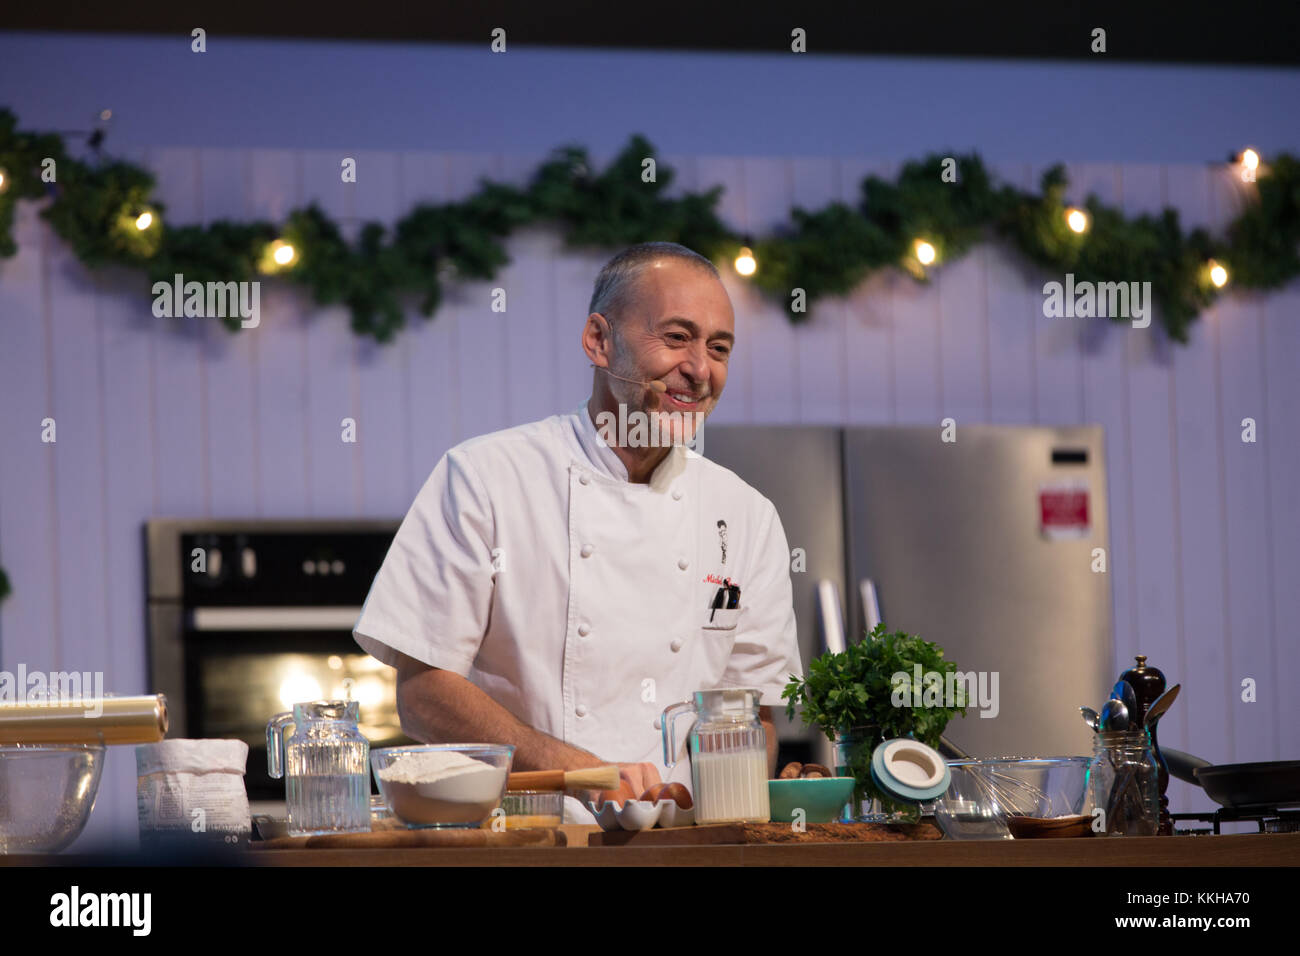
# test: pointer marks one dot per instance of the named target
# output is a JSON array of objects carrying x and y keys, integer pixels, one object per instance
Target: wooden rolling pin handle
[
  {"x": 591, "y": 778},
  {"x": 536, "y": 780}
]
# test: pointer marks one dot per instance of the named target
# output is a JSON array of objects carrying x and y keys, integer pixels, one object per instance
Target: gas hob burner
[{"x": 1269, "y": 819}]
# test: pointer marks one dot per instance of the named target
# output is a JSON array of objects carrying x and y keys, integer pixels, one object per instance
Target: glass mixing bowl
[
  {"x": 985, "y": 792},
  {"x": 46, "y": 794},
  {"x": 463, "y": 799}
]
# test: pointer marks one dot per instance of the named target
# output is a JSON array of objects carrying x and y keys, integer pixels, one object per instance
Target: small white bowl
[
  {"x": 674, "y": 816},
  {"x": 641, "y": 815}
]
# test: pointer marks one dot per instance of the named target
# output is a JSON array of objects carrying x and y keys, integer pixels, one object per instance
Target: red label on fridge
[{"x": 1063, "y": 510}]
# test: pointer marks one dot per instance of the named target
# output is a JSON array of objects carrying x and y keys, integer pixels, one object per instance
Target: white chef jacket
[{"x": 580, "y": 601}]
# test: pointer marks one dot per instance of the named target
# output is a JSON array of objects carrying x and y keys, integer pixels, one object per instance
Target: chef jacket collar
[{"x": 605, "y": 461}]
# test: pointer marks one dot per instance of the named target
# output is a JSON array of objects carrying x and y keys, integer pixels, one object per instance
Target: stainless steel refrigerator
[{"x": 992, "y": 543}]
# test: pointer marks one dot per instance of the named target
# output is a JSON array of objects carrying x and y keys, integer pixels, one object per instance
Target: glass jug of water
[{"x": 325, "y": 765}]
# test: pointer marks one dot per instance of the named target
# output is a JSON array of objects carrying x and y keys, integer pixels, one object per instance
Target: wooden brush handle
[{"x": 592, "y": 778}]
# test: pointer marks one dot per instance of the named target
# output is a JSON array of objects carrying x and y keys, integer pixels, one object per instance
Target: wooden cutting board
[
  {"x": 393, "y": 839},
  {"x": 759, "y": 833}
]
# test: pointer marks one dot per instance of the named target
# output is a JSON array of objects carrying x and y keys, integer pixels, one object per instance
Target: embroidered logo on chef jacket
[{"x": 724, "y": 602}]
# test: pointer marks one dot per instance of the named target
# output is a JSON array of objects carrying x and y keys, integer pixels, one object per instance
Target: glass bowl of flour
[{"x": 442, "y": 785}]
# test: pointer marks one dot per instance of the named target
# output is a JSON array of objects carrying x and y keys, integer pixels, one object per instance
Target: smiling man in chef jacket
[{"x": 554, "y": 589}]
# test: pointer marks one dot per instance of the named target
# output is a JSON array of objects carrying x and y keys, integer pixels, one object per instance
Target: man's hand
[{"x": 634, "y": 780}]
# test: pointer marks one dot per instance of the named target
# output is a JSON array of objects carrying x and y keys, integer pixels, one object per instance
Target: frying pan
[{"x": 1274, "y": 783}]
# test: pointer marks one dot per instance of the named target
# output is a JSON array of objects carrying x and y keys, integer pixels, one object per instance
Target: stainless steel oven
[{"x": 248, "y": 617}]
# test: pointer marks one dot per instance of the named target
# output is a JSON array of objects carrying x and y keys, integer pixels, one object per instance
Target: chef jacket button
[
  {"x": 659, "y": 723},
  {"x": 584, "y": 479},
  {"x": 677, "y": 494},
  {"x": 581, "y": 710},
  {"x": 682, "y": 563},
  {"x": 584, "y": 630},
  {"x": 676, "y": 645},
  {"x": 586, "y": 550}
]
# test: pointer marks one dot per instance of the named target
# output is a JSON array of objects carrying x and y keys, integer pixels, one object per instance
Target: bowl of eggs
[
  {"x": 809, "y": 789},
  {"x": 663, "y": 805}
]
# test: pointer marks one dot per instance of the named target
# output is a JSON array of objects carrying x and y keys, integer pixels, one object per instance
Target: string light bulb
[
  {"x": 925, "y": 253},
  {"x": 277, "y": 256},
  {"x": 1077, "y": 220},
  {"x": 4, "y": 181},
  {"x": 1249, "y": 162},
  {"x": 1218, "y": 274},
  {"x": 746, "y": 265},
  {"x": 144, "y": 220}
]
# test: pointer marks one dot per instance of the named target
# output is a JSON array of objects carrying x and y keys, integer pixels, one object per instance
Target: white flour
[
  {"x": 426, "y": 766},
  {"x": 442, "y": 788}
]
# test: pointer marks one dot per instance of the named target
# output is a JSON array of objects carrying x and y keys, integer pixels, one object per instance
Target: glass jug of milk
[{"x": 728, "y": 749}]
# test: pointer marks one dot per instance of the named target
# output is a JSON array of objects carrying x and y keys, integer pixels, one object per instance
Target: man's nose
[{"x": 696, "y": 363}]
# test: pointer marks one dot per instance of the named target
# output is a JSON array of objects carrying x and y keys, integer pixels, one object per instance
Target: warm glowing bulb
[
  {"x": 283, "y": 253},
  {"x": 1250, "y": 159},
  {"x": 745, "y": 263},
  {"x": 924, "y": 252},
  {"x": 1218, "y": 275},
  {"x": 2, "y": 179},
  {"x": 297, "y": 688},
  {"x": 1077, "y": 219},
  {"x": 144, "y": 221}
]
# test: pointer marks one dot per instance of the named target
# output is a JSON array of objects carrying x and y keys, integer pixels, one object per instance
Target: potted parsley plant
[{"x": 869, "y": 693}]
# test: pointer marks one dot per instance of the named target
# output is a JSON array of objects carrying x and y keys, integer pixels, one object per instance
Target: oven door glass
[{"x": 236, "y": 682}]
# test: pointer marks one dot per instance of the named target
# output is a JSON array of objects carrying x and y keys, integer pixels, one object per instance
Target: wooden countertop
[
  {"x": 1238, "y": 850},
  {"x": 1253, "y": 849}
]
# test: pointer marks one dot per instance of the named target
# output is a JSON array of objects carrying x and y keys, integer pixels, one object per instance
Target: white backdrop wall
[{"x": 182, "y": 418}]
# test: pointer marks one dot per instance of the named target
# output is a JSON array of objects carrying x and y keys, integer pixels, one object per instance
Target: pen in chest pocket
[{"x": 727, "y": 598}]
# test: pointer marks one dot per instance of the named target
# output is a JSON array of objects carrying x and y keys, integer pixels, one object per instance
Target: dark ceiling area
[{"x": 1227, "y": 32}]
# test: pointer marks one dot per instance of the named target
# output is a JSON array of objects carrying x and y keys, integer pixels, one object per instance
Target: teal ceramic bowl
[{"x": 822, "y": 798}]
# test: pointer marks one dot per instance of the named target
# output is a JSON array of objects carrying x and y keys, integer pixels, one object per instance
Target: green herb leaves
[{"x": 856, "y": 688}]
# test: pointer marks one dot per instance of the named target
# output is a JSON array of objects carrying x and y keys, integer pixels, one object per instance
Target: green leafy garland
[{"x": 94, "y": 207}]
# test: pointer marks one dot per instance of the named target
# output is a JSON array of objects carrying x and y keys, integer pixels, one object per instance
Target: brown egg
[
  {"x": 655, "y": 793},
  {"x": 678, "y": 793},
  {"x": 621, "y": 796}
]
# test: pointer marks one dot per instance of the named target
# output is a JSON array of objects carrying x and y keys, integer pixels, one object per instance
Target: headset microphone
[{"x": 653, "y": 384}]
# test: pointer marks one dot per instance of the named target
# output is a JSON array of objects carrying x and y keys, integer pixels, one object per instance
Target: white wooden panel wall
[{"x": 193, "y": 420}]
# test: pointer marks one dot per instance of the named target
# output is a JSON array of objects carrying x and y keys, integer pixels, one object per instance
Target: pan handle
[{"x": 1183, "y": 766}]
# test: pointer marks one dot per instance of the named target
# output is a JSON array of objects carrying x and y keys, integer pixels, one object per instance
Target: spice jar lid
[{"x": 910, "y": 771}]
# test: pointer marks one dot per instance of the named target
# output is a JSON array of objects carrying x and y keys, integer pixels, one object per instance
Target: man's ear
[{"x": 598, "y": 339}]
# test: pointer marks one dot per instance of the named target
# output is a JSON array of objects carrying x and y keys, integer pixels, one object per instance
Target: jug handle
[
  {"x": 666, "y": 724},
  {"x": 275, "y": 744}
]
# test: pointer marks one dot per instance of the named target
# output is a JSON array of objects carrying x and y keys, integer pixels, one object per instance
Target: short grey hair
[{"x": 616, "y": 283}]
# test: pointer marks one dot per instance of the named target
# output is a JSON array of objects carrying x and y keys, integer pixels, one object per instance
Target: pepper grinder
[{"x": 1148, "y": 683}]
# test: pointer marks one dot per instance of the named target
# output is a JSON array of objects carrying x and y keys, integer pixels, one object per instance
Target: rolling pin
[
  {"x": 592, "y": 778},
  {"x": 94, "y": 720}
]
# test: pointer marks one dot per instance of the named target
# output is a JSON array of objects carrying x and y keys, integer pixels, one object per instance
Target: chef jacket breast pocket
[
  {"x": 716, "y": 641},
  {"x": 721, "y": 619}
]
